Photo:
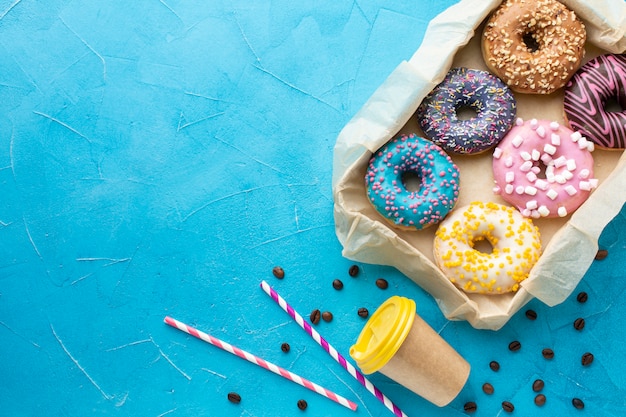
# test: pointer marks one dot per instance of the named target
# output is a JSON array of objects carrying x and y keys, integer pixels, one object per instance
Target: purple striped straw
[{"x": 331, "y": 350}]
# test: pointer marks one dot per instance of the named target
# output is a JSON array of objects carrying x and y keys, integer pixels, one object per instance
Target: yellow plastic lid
[{"x": 383, "y": 334}]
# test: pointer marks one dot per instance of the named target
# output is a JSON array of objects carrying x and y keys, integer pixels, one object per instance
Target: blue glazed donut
[
  {"x": 477, "y": 90},
  {"x": 438, "y": 182}
]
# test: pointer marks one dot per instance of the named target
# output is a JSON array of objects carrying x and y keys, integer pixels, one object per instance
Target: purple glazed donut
[{"x": 485, "y": 94}]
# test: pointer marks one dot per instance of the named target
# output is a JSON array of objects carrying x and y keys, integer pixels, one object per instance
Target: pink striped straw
[
  {"x": 331, "y": 350},
  {"x": 260, "y": 362}
]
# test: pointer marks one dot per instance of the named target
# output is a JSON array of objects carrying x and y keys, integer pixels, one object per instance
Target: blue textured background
[{"x": 159, "y": 157}]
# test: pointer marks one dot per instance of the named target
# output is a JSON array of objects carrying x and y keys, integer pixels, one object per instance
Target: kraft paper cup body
[{"x": 402, "y": 346}]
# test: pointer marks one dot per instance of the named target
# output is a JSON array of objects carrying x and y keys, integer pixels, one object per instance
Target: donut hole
[
  {"x": 542, "y": 169},
  {"x": 482, "y": 245},
  {"x": 530, "y": 40},
  {"x": 466, "y": 112},
  {"x": 613, "y": 105},
  {"x": 411, "y": 181}
]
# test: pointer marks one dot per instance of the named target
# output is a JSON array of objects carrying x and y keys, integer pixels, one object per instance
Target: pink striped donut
[{"x": 599, "y": 81}]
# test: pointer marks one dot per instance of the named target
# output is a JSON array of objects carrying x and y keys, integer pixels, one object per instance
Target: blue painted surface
[{"x": 160, "y": 157}]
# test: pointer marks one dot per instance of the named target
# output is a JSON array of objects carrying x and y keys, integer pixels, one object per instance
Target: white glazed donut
[{"x": 515, "y": 242}]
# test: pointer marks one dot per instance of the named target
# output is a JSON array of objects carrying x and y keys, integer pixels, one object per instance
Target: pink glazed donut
[{"x": 543, "y": 168}]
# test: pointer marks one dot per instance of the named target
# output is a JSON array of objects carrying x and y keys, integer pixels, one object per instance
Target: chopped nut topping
[{"x": 557, "y": 49}]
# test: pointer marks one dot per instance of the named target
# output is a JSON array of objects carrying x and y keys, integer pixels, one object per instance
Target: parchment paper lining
[{"x": 569, "y": 244}]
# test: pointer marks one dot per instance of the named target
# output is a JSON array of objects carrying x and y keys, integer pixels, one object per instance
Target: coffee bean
[
  {"x": 601, "y": 254},
  {"x": 278, "y": 272},
  {"x": 233, "y": 397},
  {"x": 337, "y": 284},
  {"x": 538, "y": 385},
  {"x": 494, "y": 365},
  {"x": 579, "y": 323},
  {"x": 488, "y": 388},
  {"x": 507, "y": 406},
  {"x": 540, "y": 400},
  {"x": 285, "y": 347},
  {"x": 586, "y": 359},
  {"x": 514, "y": 346},
  {"x": 582, "y": 297},
  {"x": 302, "y": 404},
  {"x": 470, "y": 407},
  {"x": 353, "y": 271},
  {"x": 315, "y": 316},
  {"x": 547, "y": 353},
  {"x": 327, "y": 316},
  {"x": 578, "y": 403},
  {"x": 363, "y": 312},
  {"x": 382, "y": 283},
  {"x": 531, "y": 314}
]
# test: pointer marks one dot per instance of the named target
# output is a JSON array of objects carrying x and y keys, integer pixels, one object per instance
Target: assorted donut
[
  {"x": 541, "y": 168},
  {"x": 478, "y": 91},
  {"x": 389, "y": 187},
  {"x": 598, "y": 83},
  {"x": 514, "y": 241},
  {"x": 533, "y": 46}
]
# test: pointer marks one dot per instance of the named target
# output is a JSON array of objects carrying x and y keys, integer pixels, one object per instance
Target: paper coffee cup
[{"x": 402, "y": 346}]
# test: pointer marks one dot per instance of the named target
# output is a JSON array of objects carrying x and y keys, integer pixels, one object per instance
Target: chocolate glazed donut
[
  {"x": 599, "y": 82},
  {"x": 533, "y": 46}
]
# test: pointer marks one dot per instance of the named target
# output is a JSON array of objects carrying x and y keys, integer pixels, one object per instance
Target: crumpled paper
[{"x": 569, "y": 245}]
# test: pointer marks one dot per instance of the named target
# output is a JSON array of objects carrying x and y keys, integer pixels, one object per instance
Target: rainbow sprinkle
[{"x": 480, "y": 91}]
